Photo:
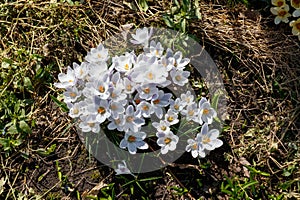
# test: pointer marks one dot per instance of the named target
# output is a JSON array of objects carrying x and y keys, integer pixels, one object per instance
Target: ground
[{"x": 259, "y": 63}]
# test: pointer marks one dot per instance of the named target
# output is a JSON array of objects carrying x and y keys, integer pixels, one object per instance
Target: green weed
[{"x": 181, "y": 13}]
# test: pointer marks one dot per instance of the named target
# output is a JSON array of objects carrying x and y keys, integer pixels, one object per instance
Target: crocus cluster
[
  {"x": 282, "y": 12},
  {"x": 123, "y": 91}
]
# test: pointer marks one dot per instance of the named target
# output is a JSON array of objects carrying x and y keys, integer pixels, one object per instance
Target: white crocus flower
[
  {"x": 117, "y": 94},
  {"x": 71, "y": 94},
  {"x": 171, "y": 117},
  {"x": 187, "y": 98},
  {"x": 296, "y": 27},
  {"x": 191, "y": 112},
  {"x": 66, "y": 80},
  {"x": 179, "y": 77},
  {"x": 116, "y": 123},
  {"x": 145, "y": 108},
  {"x": 206, "y": 112},
  {"x": 159, "y": 101},
  {"x": 81, "y": 71},
  {"x": 155, "y": 49},
  {"x": 180, "y": 63},
  {"x": 89, "y": 123},
  {"x": 100, "y": 108},
  {"x": 282, "y": 14},
  {"x": 76, "y": 109},
  {"x": 167, "y": 62},
  {"x": 100, "y": 87},
  {"x": 116, "y": 108},
  {"x": 97, "y": 70},
  {"x": 142, "y": 36},
  {"x": 149, "y": 73},
  {"x": 129, "y": 86},
  {"x": 162, "y": 126},
  {"x": 133, "y": 141},
  {"x": 147, "y": 91},
  {"x": 133, "y": 121},
  {"x": 295, "y": 4},
  {"x": 123, "y": 63},
  {"x": 122, "y": 169},
  {"x": 176, "y": 105},
  {"x": 195, "y": 148},
  {"x": 167, "y": 141},
  {"x": 209, "y": 139},
  {"x": 98, "y": 54}
]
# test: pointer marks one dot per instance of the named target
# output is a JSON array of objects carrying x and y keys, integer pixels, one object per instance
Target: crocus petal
[
  {"x": 123, "y": 144},
  {"x": 194, "y": 153},
  {"x": 132, "y": 148},
  {"x": 204, "y": 129},
  {"x": 164, "y": 150},
  {"x": 214, "y": 134},
  {"x": 218, "y": 143},
  {"x": 296, "y": 13},
  {"x": 172, "y": 146}
]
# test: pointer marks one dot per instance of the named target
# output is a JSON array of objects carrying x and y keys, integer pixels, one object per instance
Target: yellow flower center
[
  {"x": 117, "y": 121},
  {"x": 113, "y": 95},
  {"x": 178, "y": 78},
  {"x": 156, "y": 101},
  {"x": 137, "y": 101},
  {"x": 176, "y": 107},
  {"x": 205, "y": 111},
  {"x": 131, "y": 139},
  {"x": 129, "y": 119},
  {"x": 146, "y": 90},
  {"x": 145, "y": 107},
  {"x": 282, "y": 13},
  {"x": 101, "y": 110},
  {"x": 126, "y": 67},
  {"x": 114, "y": 107},
  {"x": 170, "y": 118},
  {"x": 101, "y": 89},
  {"x": 91, "y": 124},
  {"x": 156, "y": 53},
  {"x": 150, "y": 76},
  {"x": 163, "y": 128},
  {"x": 191, "y": 112},
  {"x": 206, "y": 140},
  {"x": 167, "y": 140},
  {"x": 70, "y": 81},
  {"x": 99, "y": 55},
  {"x": 188, "y": 100},
  {"x": 128, "y": 87},
  {"x": 194, "y": 147},
  {"x": 73, "y": 94},
  {"x": 75, "y": 111}
]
